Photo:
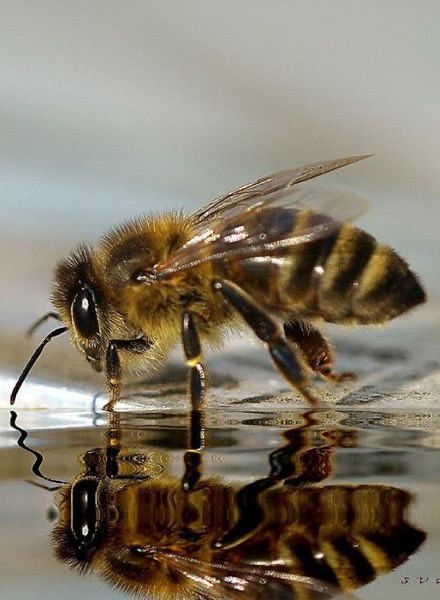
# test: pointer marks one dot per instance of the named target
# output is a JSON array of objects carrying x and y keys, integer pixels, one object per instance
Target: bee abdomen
[
  {"x": 340, "y": 272},
  {"x": 365, "y": 282},
  {"x": 386, "y": 289}
]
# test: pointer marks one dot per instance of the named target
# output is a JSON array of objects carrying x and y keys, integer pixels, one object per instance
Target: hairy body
[
  {"x": 277, "y": 256},
  {"x": 339, "y": 279}
]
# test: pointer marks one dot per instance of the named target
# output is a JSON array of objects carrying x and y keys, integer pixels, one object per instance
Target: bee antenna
[
  {"x": 33, "y": 359},
  {"x": 38, "y": 456},
  {"x": 49, "y": 315}
]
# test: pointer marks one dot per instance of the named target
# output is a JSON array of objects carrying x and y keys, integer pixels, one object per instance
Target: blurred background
[{"x": 111, "y": 109}]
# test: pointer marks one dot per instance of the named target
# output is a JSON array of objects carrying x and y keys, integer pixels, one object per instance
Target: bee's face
[
  {"x": 86, "y": 303},
  {"x": 83, "y": 301}
]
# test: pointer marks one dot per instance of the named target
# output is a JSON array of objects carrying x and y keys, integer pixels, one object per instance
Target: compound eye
[{"x": 84, "y": 313}]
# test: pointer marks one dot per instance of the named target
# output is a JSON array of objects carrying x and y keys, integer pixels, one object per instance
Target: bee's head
[
  {"x": 85, "y": 303},
  {"x": 79, "y": 298}
]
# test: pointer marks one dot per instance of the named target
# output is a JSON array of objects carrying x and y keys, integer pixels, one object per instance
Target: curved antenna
[
  {"x": 49, "y": 315},
  {"x": 33, "y": 359},
  {"x": 38, "y": 456}
]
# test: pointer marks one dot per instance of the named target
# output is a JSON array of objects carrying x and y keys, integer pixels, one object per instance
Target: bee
[{"x": 274, "y": 254}]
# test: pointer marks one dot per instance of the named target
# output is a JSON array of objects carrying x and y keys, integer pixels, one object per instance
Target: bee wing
[
  {"x": 279, "y": 182},
  {"x": 231, "y": 581},
  {"x": 268, "y": 226}
]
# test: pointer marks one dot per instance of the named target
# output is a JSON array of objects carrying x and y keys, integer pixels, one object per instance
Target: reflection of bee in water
[
  {"x": 128, "y": 519},
  {"x": 270, "y": 252},
  {"x": 276, "y": 537}
]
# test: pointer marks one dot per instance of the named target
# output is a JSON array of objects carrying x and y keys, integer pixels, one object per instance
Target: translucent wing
[
  {"x": 278, "y": 182},
  {"x": 269, "y": 225},
  {"x": 231, "y": 581}
]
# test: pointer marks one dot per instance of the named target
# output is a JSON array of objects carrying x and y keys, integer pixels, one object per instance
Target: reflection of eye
[
  {"x": 84, "y": 510},
  {"x": 84, "y": 313}
]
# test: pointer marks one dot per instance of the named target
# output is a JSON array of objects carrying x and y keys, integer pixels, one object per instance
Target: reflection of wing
[
  {"x": 265, "y": 226},
  {"x": 229, "y": 581},
  {"x": 271, "y": 184}
]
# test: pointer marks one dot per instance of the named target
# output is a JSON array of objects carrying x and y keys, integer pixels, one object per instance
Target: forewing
[
  {"x": 268, "y": 227},
  {"x": 280, "y": 181}
]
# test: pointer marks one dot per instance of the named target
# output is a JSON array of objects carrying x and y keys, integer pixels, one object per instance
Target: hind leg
[
  {"x": 315, "y": 349},
  {"x": 283, "y": 354}
]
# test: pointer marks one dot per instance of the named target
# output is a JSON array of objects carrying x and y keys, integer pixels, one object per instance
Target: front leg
[
  {"x": 267, "y": 330},
  {"x": 113, "y": 364}
]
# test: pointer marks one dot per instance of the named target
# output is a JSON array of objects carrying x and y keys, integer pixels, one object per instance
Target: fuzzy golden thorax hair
[{"x": 126, "y": 308}]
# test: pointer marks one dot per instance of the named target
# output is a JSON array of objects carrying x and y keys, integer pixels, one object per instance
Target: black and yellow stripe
[{"x": 344, "y": 277}]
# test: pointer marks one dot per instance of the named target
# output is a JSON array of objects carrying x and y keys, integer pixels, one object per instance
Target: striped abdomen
[{"x": 346, "y": 277}]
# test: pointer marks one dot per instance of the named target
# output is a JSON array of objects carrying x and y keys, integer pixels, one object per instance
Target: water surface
[{"x": 278, "y": 504}]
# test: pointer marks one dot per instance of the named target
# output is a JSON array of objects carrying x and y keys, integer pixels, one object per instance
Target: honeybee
[
  {"x": 129, "y": 520},
  {"x": 273, "y": 254}
]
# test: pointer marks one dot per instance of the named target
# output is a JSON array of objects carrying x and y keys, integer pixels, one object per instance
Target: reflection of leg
[
  {"x": 113, "y": 437},
  {"x": 113, "y": 364},
  {"x": 115, "y": 465},
  {"x": 265, "y": 328},
  {"x": 193, "y": 457},
  {"x": 315, "y": 349},
  {"x": 250, "y": 514},
  {"x": 192, "y": 474},
  {"x": 196, "y": 430},
  {"x": 294, "y": 464},
  {"x": 193, "y": 355}
]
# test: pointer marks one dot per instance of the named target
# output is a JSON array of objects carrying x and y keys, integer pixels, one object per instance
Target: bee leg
[
  {"x": 315, "y": 349},
  {"x": 193, "y": 355},
  {"x": 113, "y": 364},
  {"x": 193, "y": 462},
  {"x": 267, "y": 330}
]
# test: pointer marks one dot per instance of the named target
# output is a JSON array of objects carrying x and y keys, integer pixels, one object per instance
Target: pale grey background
[{"x": 110, "y": 109}]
